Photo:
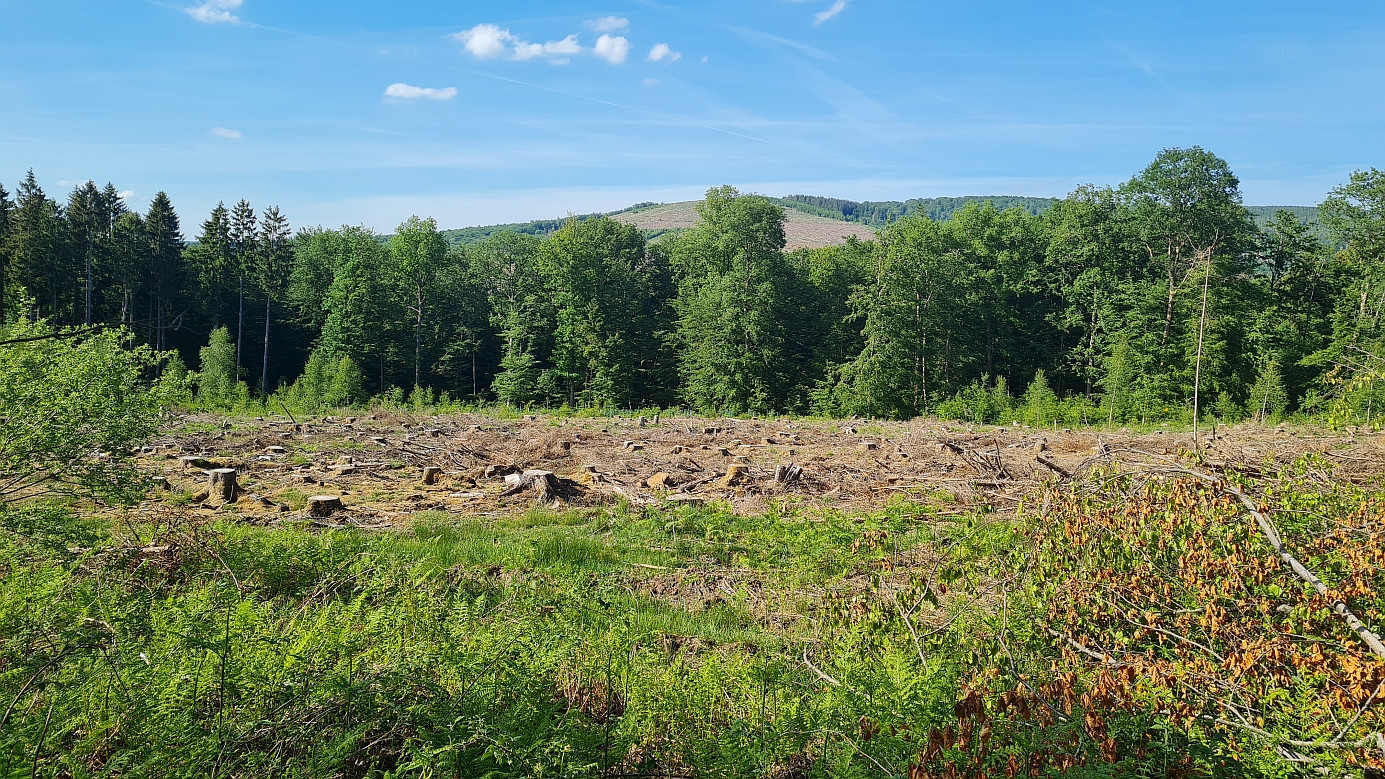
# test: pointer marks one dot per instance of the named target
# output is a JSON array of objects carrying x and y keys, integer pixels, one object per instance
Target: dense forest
[{"x": 1113, "y": 305}]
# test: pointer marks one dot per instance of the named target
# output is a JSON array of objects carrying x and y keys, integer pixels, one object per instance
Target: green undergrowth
[
  {"x": 572, "y": 644},
  {"x": 618, "y": 642}
]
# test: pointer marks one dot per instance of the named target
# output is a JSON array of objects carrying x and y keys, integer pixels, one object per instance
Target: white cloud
[
  {"x": 704, "y": 60},
  {"x": 559, "y": 49},
  {"x": 125, "y": 194},
  {"x": 527, "y": 51},
  {"x": 563, "y": 48},
  {"x": 613, "y": 49},
  {"x": 662, "y": 52},
  {"x": 484, "y": 41},
  {"x": 215, "y": 11},
  {"x": 489, "y": 41},
  {"x": 407, "y": 92},
  {"x": 824, "y": 15},
  {"x": 608, "y": 24},
  {"x": 222, "y": 132},
  {"x": 650, "y": 82}
]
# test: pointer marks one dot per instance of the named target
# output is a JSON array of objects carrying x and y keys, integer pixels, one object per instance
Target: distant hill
[
  {"x": 883, "y": 212},
  {"x": 815, "y": 221},
  {"x": 1306, "y": 214},
  {"x": 802, "y": 230}
]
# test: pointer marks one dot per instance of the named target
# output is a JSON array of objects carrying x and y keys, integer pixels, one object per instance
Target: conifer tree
[
  {"x": 273, "y": 267},
  {"x": 211, "y": 261},
  {"x": 245, "y": 242},
  {"x": 164, "y": 244},
  {"x": 6, "y": 210}
]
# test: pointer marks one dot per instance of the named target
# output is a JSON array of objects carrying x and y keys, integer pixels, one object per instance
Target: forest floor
[{"x": 377, "y": 463}]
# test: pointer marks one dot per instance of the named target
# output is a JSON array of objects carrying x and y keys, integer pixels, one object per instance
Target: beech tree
[
  {"x": 733, "y": 286},
  {"x": 592, "y": 270},
  {"x": 423, "y": 269}
]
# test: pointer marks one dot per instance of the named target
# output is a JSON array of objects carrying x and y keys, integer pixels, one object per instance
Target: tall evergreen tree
[
  {"x": 85, "y": 225},
  {"x": 273, "y": 268},
  {"x": 38, "y": 258},
  {"x": 6, "y": 212},
  {"x": 165, "y": 252},
  {"x": 245, "y": 242},
  {"x": 111, "y": 207},
  {"x": 210, "y": 261}
]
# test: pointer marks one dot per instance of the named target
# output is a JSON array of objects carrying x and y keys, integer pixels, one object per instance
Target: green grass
[
  {"x": 614, "y": 642},
  {"x": 459, "y": 645}
]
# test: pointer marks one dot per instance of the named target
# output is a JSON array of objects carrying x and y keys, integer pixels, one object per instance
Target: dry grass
[{"x": 376, "y": 462}]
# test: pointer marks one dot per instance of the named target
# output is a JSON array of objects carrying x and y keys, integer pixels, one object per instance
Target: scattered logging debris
[{"x": 744, "y": 463}]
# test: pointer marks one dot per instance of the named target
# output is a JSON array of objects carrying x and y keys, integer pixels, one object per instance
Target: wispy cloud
[
  {"x": 125, "y": 194},
  {"x": 222, "y": 132},
  {"x": 829, "y": 12},
  {"x": 404, "y": 91},
  {"x": 613, "y": 49},
  {"x": 756, "y": 36},
  {"x": 608, "y": 24},
  {"x": 661, "y": 52},
  {"x": 215, "y": 11},
  {"x": 650, "y": 82}
]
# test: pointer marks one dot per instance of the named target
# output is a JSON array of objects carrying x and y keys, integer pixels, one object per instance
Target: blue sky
[{"x": 478, "y": 112}]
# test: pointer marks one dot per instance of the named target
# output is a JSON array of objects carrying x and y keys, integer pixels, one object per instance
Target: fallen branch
[
  {"x": 1271, "y": 534},
  {"x": 1062, "y": 472}
]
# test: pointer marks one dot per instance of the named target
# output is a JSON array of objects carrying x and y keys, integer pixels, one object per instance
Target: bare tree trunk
[
  {"x": 1201, "y": 328},
  {"x": 264, "y": 367},
  {"x": 240, "y": 323},
  {"x": 88, "y": 290},
  {"x": 418, "y": 335}
]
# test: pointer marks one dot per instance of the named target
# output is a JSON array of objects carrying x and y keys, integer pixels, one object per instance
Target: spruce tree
[
  {"x": 245, "y": 242},
  {"x": 164, "y": 244},
  {"x": 274, "y": 265},
  {"x": 6, "y": 210}
]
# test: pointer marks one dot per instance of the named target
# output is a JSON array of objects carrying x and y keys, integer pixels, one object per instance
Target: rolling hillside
[
  {"x": 801, "y": 231},
  {"x": 815, "y": 221}
]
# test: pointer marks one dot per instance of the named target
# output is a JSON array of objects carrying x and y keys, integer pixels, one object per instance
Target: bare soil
[{"x": 376, "y": 463}]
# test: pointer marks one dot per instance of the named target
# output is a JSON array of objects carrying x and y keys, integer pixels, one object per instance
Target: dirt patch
[{"x": 377, "y": 463}]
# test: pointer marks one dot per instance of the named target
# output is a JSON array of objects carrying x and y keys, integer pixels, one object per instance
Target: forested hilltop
[{"x": 1115, "y": 305}]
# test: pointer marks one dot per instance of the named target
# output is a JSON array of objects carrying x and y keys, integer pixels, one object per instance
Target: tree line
[{"x": 1132, "y": 303}]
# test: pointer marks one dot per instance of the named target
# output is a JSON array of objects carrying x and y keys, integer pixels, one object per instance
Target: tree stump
[
  {"x": 193, "y": 461},
  {"x": 734, "y": 475},
  {"x": 544, "y": 484},
  {"x": 221, "y": 484},
  {"x": 324, "y": 505},
  {"x": 431, "y": 474},
  {"x": 785, "y": 475}
]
